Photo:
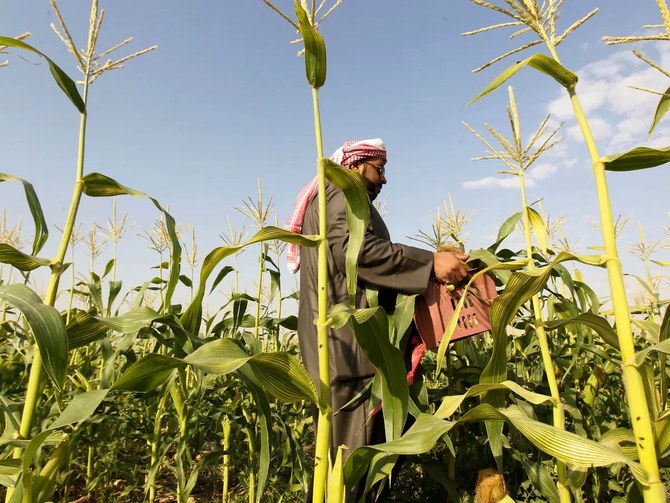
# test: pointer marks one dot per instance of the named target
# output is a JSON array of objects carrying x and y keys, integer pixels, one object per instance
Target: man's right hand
[{"x": 449, "y": 267}]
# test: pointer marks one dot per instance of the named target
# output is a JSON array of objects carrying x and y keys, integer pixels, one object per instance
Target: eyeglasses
[{"x": 380, "y": 169}]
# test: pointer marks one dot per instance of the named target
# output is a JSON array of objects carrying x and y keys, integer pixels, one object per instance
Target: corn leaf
[
  {"x": 597, "y": 323},
  {"x": 418, "y": 439},
  {"x": 41, "y": 228},
  {"x": 523, "y": 285},
  {"x": 46, "y": 436},
  {"x": 402, "y": 317},
  {"x": 81, "y": 408},
  {"x": 12, "y": 256},
  {"x": 451, "y": 326},
  {"x": 520, "y": 287},
  {"x": 131, "y": 321},
  {"x": 450, "y": 404},
  {"x": 336, "y": 493},
  {"x": 540, "y": 62},
  {"x": 315, "y": 49},
  {"x": 66, "y": 84},
  {"x": 82, "y": 329},
  {"x": 220, "y": 357},
  {"x": 47, "y": 327},
  {"x": 358, "y": 215},
  {"x": 98, "y": 185},
  {"x": 264, "y": 426},
  {"x": 505, "y": 230},
  {"x": 661, "y": 110},
  {"x": 662, "y": 427},
  {"x": 148, "y": 373},
  {"x": 371, "y": 328},
  {"x": 486, "y": 256},
  {"x": 562, "y": 445},
  {"x": 282, "y": 375},
  {"x": 191, "y": 318},
  {"x": 539, "y": 228},
  {"x": 638, "y": 158},
  {"x": 541, "y": 479},
  {"x": 661, "y": 347}
]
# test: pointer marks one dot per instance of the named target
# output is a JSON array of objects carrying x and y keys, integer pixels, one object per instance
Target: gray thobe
[{"x": 389, "y": 266}]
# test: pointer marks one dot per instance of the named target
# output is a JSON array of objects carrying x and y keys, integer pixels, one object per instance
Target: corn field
[{"x": 188, "y": 386}]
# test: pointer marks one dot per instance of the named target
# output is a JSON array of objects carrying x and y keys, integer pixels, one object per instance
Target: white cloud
[
  {"x": 541, "y": 171},
  {"x": 492, "y": 182},
  {"x": 618, "y": 115},
  {"x": 536, "y": 173}
]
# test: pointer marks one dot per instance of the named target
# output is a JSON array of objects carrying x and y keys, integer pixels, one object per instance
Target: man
[{"x": 389, "y": 266}]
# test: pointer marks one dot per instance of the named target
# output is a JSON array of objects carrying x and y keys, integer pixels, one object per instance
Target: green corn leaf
[
  {"x": 520, "y": 288},
  {"x": 315, "y": 49},
  {"x": 41, "y": 228},
  {"x": 82, "y": 329},
  {"x": 370, "y": 326},
  {"x": 221, "y": 356},
  {"x": 597, "y": 323},
  {"x": 623, "y": 439},
  {"x": 523, "y": 285},
  {"x": 12, "y": 256},
  {"x": 451, "y": 326},
  {"x": 539, "y": 228},
  {"x": 99, "y": 185},
  {"x": 661, "y": 347},
  {"x": 662, "y": 427},
  {"x": 661, "y": 110},
  {"x": 148, "y": 373},
  {"x": 44, "y": 437},
  {"x": 283, "y": 377},
  {"x": 664, "y": 332},
  {"x": 80, "y": 408},
  {"x": 418, "y": 439},
  {"x": 191, "y": 318},
  {"x": 505, "y": 230},
  {"x": 114, "y": 290},
  {"x": 560, "y": 444},
  {"x": 219, "y": 277},
  {"x": 541, "y": 479},
  {"x": 264, "y": 425},
  {"x": 131, "y": 321},
  {"x": 66, "y": 84},
  {"x": 9, "y": 467},
  {"x": 47, "y": 327},
  {"x": 540, "y": 62},
  {"x": 638, "y": 158},
  {"x": 486, "y": 256},
  {"x": 402, "y": 317},
  {"x": 358, "y": 216},
  {"x": 450, "y": 404},
  {"x": 335, "y": 493}
]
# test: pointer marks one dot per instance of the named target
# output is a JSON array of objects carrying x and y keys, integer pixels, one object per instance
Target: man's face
[{"x": 373, "y": 170}]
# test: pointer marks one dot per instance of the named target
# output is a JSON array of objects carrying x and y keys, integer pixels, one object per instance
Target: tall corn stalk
[
  {"x": 88, "y": 64},
  {"x": 540, "y": 20},
  {"x": 519, "y": 159},
  {"x": 315, "y": 67}
]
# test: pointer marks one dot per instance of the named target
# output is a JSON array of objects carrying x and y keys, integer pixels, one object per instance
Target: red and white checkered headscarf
[{"x": 350, "y": 152}]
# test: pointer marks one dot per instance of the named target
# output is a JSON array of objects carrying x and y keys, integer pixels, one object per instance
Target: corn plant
[{"x": 529, "y": 16}]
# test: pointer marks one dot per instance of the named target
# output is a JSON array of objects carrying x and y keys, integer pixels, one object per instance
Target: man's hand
[{"x": 449, "y": 267}]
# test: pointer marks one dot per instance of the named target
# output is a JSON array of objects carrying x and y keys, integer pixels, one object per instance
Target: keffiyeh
[{"x": 349, "y": 153}]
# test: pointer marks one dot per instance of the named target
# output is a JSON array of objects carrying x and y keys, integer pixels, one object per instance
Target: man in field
[{"x": 391, "y": 267}]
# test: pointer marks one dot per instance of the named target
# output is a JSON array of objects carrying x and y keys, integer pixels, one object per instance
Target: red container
[{"x": 434, "y": 309}]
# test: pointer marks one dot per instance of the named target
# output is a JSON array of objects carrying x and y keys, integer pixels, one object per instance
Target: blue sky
[{"x": 223, "y": 103}]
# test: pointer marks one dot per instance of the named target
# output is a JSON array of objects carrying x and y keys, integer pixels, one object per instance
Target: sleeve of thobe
[{"x": 381, "y": 263}]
